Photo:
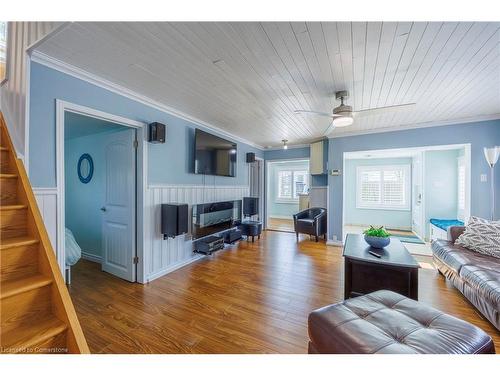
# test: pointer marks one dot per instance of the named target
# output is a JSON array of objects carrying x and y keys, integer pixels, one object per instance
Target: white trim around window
[
  {"x": 294, "y": 173},
  {"x": 383, "y": 187}
]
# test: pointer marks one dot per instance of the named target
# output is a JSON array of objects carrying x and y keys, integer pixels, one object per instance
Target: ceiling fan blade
[
  {"x": 382, "y": 110},
  {"x": 330, "y": 129},
  {"x": 315, "y": 113}
]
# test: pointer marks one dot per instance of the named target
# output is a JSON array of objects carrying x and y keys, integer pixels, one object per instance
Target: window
[
  {"x": 291, "y": 182},
  {"x": 385, "y": 187},
  {"x": 3, "y": 51}
]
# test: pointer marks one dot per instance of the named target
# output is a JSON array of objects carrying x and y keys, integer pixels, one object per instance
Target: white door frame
[
  {"x": 267, "y": 184},
  {"x": 262, "y": 198},
  {"x": 468, "y": 166},
  {"x": 141, "y": 178}
]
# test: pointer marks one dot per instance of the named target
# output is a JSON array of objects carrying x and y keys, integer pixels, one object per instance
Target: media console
[{"x": 208, "y": 245}]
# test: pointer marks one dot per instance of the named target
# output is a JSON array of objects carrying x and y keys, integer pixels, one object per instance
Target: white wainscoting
[
  {"x": 161, "y": 256},
  {"x": 164, "y": 256},
  {"x": 47, "y": 204}
]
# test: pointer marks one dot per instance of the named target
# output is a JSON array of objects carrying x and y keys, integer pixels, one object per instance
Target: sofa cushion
[
  {"x": 455, "y": 256},
  {"x": 485, "y": 280},
  {"x": 482, "y": 236}
]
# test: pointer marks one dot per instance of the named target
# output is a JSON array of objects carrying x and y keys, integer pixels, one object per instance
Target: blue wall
[
  {"x": 291, "y": 153},
  {"x": 169, "y": 163},
  {"x": 479, "y": 135},
  {"x": 441, "y": 190},
  {"x": 296, "y": 153},
  {"x": 395, "y": 219},
  {"x": 83, "y": 201}
]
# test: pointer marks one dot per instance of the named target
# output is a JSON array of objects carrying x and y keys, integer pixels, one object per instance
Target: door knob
[{"x": 103, "y": 209}]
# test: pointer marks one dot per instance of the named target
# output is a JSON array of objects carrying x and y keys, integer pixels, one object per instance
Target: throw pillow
[{"x": 482, "y": 236}]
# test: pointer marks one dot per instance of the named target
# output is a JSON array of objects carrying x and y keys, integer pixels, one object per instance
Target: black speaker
[
  {"x": 157, "y": 132},
  {"x": 250, "y": 157},
  {"x": 174, "y": 219},
  {"x": 250, "y": 206}
]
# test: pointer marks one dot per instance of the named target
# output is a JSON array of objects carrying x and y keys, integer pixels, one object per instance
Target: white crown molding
[
  {"x": 419, "y": 126},
  {"x": 93, "y": 79}
]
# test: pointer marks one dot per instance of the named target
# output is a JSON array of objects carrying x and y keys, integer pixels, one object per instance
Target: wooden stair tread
[
  {"x": 11, "y": 288},
  {"x": 37, "y": 311},
  {"x": 30, "y": 335},
  {"x": 8, "y": 175},
  {"x": 6, "y": 207},
  {"x": 17, "y": 242}
]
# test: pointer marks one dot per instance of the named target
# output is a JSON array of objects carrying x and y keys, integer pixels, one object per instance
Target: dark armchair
[{"x": 311, "y": 221}]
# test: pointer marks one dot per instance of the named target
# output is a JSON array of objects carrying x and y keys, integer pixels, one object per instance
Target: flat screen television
[{"x": 214, "y": 155}]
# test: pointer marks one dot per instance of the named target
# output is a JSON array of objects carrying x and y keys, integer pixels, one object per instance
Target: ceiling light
[
  {"x": 285, "y": 146},
  {"x": 342, "y": 121}
]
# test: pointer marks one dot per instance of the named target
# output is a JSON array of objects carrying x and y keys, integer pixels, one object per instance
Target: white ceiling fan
[{"x": 343, "y": 115}]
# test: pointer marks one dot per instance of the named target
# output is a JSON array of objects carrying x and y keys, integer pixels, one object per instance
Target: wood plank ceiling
[{"x": 248, "y": 78}]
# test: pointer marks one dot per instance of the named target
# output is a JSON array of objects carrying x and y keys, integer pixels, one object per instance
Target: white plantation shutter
[
  {"x": 285, "y": 184},
  {"x": 299, "y": 182},
  {"x": 393, "y": 186},
  {"x": 383, "y": 187},
  {"x": 370, "y": 187},
  {"x": 290, "y": 183}
]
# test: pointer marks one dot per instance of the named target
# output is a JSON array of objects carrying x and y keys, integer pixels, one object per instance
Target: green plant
[{"x": 376, "y": 232}]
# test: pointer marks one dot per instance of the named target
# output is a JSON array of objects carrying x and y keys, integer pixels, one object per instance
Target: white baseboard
[
  {"x": 334, "y": 243},
  {"x": 92, "y": 257},
  {"x": 174, "y": 267},
  {"x": 281, "y": 217}
]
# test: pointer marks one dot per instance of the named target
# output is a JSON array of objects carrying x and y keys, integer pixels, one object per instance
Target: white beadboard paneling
[
  {"x": 248, "y": 78},
  {"x": 164, "y": 256},
  {"x": 20, "y": 35},
  {"x": 47, "y": 204}
]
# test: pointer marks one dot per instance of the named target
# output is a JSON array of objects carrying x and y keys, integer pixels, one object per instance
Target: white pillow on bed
[{"x": 482, "y": 236}]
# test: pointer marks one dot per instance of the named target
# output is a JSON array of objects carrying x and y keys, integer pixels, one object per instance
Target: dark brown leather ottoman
[{"x": 387, "y": 322}]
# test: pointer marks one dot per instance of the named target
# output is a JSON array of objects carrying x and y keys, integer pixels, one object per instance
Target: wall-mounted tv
[{"x": 214, "y": 155}]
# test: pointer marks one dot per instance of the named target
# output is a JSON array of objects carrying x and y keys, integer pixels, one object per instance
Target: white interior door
[
  {"x": 118, "y": 211},
  {"x": 417, "y": 196}
]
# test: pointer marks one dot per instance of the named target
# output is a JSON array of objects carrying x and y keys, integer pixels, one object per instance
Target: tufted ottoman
[{"x": 386, "y": 322}]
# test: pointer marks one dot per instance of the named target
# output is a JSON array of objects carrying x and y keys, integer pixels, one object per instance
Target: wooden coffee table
[{"x": 364, "y": 273}]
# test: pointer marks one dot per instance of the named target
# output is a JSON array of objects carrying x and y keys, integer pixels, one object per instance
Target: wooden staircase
[{"x": 36, "y": 312}]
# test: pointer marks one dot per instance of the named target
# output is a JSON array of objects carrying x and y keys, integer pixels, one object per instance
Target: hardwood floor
[
  {"x": 251, "y": 298},
  {"x": 282, "y": 225}
]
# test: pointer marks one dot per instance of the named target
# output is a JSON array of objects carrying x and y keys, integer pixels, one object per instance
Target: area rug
[{"x": 410, "y": 238}]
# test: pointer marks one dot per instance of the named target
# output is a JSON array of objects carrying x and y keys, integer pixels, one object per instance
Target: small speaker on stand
[{"x": 250, "y": 206}]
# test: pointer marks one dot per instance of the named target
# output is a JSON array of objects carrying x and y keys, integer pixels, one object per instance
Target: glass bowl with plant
[{"x": 377, "y": 237}]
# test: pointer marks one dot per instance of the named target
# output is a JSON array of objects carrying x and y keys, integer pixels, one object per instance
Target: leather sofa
[
  {"x": 310, "y": 221},
  {"x": 384, "y": 322},
  {"x": 476, "y": 275}
]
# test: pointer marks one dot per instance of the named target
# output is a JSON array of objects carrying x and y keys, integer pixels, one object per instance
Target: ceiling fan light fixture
[
  {"x": 343, "y": 121},
  {"x": 285, "y": 146}
]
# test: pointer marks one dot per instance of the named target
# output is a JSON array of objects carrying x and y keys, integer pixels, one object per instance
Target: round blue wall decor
[{"x": 85, "y": 168}]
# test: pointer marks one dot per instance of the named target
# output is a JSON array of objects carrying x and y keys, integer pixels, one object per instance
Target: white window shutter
[{"x": 383, "y": 187}]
